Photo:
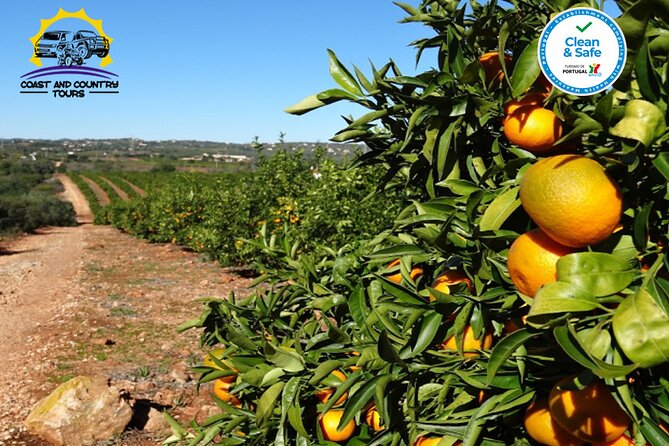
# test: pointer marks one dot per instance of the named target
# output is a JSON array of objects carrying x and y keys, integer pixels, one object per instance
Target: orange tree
[{"x": 475, "y": 361}]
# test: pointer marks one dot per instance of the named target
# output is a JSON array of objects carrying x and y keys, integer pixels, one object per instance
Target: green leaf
[
  {"x": 595, "y": 341},
  {"x": 645, "y": 74},
  {"x": 478, "y": 419},
  {"x": 641, "y": 329},
  {"x": 599, "y": 273},
  {"x": 640, "y": 234},
  {"x": 267, "y": 402},
  {"x": 582, "y": 125},
  {"x": 177, "y": 429},
  {"x": 408, "y": 8},
  {"x": 295, "y": 416},
  {"x": 401, "y": 293},
  {"x": 397, "y": 251},
  {"x": 323, "y": 370},
  {"x": 290, "y": 393},
  {"x": 526, "y": 70},
  {"x": 642, "y": 121},
  {"x": 261, "y": 374},
  {"x": 358, "y": 307},
  {"x": 319, "y": 100},
  {"x": 369, "y": 117},
  {"x": 653, "y": 432},
  {"x": 358, "y": 400},
  {"x": 604, "y": 109},
  {"x": 210, "y": 434},
  {"x": 504, "y": 33},
  {"x": 342, "y": 76},
  {"x": 633, "y": 23},
  {"x": 327, "y": 302},
  {"x": 305, "y": 105},
  {"x": 290, "y": 405},
  {"x": 380, "y": 393},
  {"x": 659, "y": 45},
  {"x": 661, "y": 163},
  {"x": 366, "y": 84},
  {"x": 334, "y": 95},
  {"x": 288, "y": 360},
  {"x": 348, "y": 135},
  {"x": 621, "y": 246},
  {"x": 426, "y": 333},
  {"x": 446, "y": 161},
  {"x": 506, "y": 406},
  {"x": 571, "y": 346},
  {"x": 499, "y": 210},
  {"x": 459, "y": 187},
  {"x": 560, "y": 297},
  {"x": 386, "y": 349},
  {"x": 503, "y": 350},
  {"x": 240, "y": 340}
]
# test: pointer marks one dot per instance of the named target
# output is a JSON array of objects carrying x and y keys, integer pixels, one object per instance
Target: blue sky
[{"x": 216, "y": 70}]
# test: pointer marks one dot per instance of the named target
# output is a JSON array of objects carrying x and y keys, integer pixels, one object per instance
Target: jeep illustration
[{"x": 80, "y": 44}]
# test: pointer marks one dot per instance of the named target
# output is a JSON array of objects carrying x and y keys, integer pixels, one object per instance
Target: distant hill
[{"x": 171, "y": 149}]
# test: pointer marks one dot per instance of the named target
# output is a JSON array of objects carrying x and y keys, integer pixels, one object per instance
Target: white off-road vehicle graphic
[{"x": 71, "y": 47}]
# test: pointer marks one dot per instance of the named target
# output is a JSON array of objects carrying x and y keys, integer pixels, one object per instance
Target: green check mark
[{"x": 584, "y": 28}]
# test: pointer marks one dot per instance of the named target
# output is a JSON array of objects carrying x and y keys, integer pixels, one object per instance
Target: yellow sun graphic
[{"x": 62, "y": 14}]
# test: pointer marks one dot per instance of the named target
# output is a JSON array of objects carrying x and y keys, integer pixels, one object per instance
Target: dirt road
[
  {"x": 78, "y": 200},
  {"x": 91, "y": 300}
]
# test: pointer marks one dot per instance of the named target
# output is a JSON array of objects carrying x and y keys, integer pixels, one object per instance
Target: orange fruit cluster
[
  {"x": 574, "y": 203},
  {"x": 442, "y": 284},
  {"x": 572, "y": 417}
]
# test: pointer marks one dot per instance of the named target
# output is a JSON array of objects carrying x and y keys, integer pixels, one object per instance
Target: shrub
[{"x": 318, "y": 202}]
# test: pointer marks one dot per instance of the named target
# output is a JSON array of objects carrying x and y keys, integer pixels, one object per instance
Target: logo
[
  {"x": 71, "y": 55},
  {"x": 582, "y": 51}
]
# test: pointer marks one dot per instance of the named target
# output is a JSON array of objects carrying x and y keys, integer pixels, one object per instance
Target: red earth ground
[{"x": 92, "y": 300}]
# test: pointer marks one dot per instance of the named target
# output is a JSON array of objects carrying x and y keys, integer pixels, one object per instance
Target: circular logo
[{"x": 582, "y": 51}]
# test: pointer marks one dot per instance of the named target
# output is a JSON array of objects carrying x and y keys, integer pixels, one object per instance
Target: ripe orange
[
  {"x": 323, "y": 395},
  {"x": 623, "y": 440},
  {"x": 492, "y": 66},
  {"x": 591, "y": 414},
  {"x": 222, "y": 391},
  {"x": 373, "y": 419},
  {"x": 532, "y": 261},
  {"x": 572, "y": 199},
  {"x": 533, "y": 128},
  {"x": 530, "y": 99},
  {"x": 442, "y": 282},
  {"x": 542, "y": 427},
  {"x": 329, "y": 422},
  {"x": 415, "y": 273},
  {"x": 469, "y": 342}
]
